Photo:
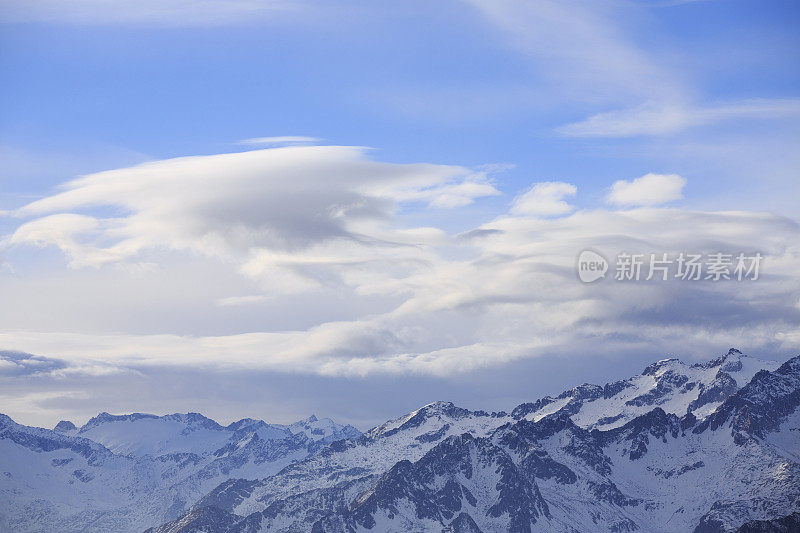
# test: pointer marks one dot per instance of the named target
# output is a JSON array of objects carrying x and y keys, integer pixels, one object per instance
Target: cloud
[
  {"x": 320, "y": 234},
  {"x": 544, "y": 199},
  {"x": 504, "y": 291},
  {"x": 24, "y": 364},
  {"x": 666, "y": 117},
  {"x": 243, "y": 300},
  {"x": 650, "y": 189},
  {"x": 586, "y": 53},
  {"x": 286, "y": 139},
  {"x": 281, "y": 214},
  {"x": 65, "y": 230}
]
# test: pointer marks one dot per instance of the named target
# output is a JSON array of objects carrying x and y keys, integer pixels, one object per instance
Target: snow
[
  {"x": 553, "y": 407},
  {"x": 676, "y": 402},
  {"x": 155, "y": 436},
  {"x": 132, "y": 480}
]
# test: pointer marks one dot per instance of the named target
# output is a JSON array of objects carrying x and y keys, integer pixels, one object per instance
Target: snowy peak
[
  {"x": 248, "y": 428},
  {"x": 436, "y": 414},
  {"x": 669, "y": 384},
  {"x": 140, "y": 434},
  {"x": 190, "y": 420},
  {"x": 761, "y": 405},
  {"x": 323, "y": 430},
  {"x": 6, "y": 421},
  {"x": 659, "y": 367},
  {"x": 66, "y": 427},
  {"x": 127, "y": 472}
]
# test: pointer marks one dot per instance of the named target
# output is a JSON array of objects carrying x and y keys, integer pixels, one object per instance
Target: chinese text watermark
[{"x": 717, "y": 266}]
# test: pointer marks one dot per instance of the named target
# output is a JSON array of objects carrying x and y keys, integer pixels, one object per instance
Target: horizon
[
  {"x": 225, "y": 422},
  {"x": 271, "y": 208}
]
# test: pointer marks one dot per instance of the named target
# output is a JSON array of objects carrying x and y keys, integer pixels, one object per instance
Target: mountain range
[{"x": 711, "y": 447}]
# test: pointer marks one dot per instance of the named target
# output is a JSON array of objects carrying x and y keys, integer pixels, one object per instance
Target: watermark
[
  {"x": 591, "y": 266},
  {"x": 717, "y": 266}
]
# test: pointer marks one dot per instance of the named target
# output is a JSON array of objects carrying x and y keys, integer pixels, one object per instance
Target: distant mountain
[
  {"x": 129, "y": 472},
  {"x": 711, "y": 447}
]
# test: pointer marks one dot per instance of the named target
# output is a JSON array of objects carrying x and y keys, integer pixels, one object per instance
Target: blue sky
[
  {"x": 493, "y": 96},
  {"x": 419, "y": 83}
]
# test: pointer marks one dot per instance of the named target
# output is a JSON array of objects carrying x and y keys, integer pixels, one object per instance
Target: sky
[{"x": 272, "y": 208}]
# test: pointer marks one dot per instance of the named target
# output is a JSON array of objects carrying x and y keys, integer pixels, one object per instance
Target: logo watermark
[
  {"x": 718, "y": 266},
  {"x": 591, "y": 266}
]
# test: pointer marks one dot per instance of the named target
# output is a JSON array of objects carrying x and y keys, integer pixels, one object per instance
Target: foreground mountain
[{"x": 706, "y": 448}]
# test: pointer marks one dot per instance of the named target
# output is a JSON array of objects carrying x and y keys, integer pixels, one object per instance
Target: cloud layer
[{"x": 311, "y": 221}]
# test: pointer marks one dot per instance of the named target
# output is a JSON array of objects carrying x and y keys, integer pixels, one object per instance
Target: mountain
[
  {"x": 710, "y": 447},
  {"x": 128, "y": 472}
]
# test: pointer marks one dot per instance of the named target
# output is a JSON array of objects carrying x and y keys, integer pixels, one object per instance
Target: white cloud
[
  {"x": 283, "y": 215},
  {"x": 285, "y": 139},
  {"x": 544, "y": 199},
  {"x": 243, "y": 300},
  {"x": 585, "y": 53},
  {"x": 666, "y": 117},
  {"x": 650, "y": 189},
  {"x": 324, "y": 223},
  {"x": 458, "y": 304}
]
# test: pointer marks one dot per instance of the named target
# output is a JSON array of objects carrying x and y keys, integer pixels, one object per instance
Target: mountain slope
[{"x": 623, "y": 457}]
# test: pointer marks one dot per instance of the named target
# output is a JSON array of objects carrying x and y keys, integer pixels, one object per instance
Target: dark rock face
[
  {"x": 638, "y": 432},
  {"x": 440, "y": 488},
  {"x": 65, "y": 426},
  {"x": 667, "y": 382},
  {"x": 666, "y": 474},
  {"x": 462, "y": 524},
  {"x": 228, "y": 495},
  {"x": 538, "y": 464},
  {"x": 525, "y": 409},
  {"x": 583, "y": 445},
  {"x": 787, "y": 524},
  {"x": 760, "y": 406},
  {"x": 714, "y": 520},
  {"x": 651, "y": 370},
  {"x": 202, "y": 519},
  {"x": 721, "y": 389}
]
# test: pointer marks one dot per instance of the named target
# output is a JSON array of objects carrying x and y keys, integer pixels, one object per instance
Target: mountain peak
[
  {"x": 652, "y": 369},
  {"x": 792, "y": 366},
  {"x": 439, "y": 405},
  {"x": 65, "y": 426},
  {"x": 6, "y": 420}
]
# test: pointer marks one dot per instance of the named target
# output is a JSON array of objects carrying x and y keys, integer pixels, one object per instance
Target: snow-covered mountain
[
  {"x": 129, "y": 472},
  {"x": 706, "y": 448}
]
